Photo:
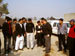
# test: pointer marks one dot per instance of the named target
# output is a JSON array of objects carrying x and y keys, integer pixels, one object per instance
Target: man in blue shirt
[{"x": 62, "y": 31}]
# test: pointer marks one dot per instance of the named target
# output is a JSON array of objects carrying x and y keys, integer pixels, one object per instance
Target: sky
[{"x": 40, "y": 8}]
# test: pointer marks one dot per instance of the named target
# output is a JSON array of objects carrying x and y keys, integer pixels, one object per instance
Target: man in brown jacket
[{"x": 14, "y": 31}]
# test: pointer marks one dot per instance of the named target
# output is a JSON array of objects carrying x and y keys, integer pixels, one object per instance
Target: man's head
[
  {"x": 60, "y": 21},
  {"x": 38, "y": 22},
  {"x": 14, "y": 20},
  {"x": 30, "y": 20},
  {"x": 20, "y": 21},
  {"x": 42, "y": 20},
  {"x": 6, "y": 18},
  {"x": 72, "y": 21},
  {"x": 9, "y": 20},
  {"x": 24, "y": 20}
]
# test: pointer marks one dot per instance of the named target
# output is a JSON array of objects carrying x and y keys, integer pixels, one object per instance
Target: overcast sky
[{"x": 40, "y": 8}]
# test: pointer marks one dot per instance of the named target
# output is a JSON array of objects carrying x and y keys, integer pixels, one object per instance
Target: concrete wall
[{"x": 69, "y": 16}]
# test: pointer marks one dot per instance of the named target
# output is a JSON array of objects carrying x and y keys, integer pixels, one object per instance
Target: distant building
[{"x": 69, "y": 16}]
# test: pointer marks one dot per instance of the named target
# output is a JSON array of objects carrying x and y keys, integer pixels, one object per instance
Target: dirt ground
[{"x": 37, "y": 51}]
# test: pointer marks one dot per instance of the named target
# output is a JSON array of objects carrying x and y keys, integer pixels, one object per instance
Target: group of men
[{"x": 22, "y": 33}]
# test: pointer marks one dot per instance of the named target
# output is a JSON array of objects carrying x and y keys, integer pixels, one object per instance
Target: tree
[
  {"x": 1, "y": 1},
  {"x": 3, "y": 8},
  {"x": 35, "y": 18}
]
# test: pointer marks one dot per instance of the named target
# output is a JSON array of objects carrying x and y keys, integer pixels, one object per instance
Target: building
[{"x": 69, "y": 16}]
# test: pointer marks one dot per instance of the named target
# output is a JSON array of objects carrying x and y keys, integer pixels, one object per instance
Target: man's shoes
[
  {"x": 47, "y": 52},
  {"x": 44, "y": 50},
  {"x": 59, "y": 50},
  {"x": 27, "y": 48},
  {"x": 21, "y": 49},
  {"x": 16, "y": 50},
  {"x": 65, "y": 51},
  {"x": 32, "y": 48}
]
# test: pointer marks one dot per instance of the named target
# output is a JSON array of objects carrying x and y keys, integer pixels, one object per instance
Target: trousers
[
  {"x": 19, "y": 42},
  {"x": 30, "y": 40}
]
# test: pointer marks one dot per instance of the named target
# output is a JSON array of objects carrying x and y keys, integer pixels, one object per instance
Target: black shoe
[
  {"x": 16, "y": 50},
  {"x": 43, "y": 46},
  {"x": 44, "y": 50},
  {"x": 9, "y": 51},
  {"x": 32, "y": 48},
  {"x": 47, "y": 52},
  {"x": 64, "y": 51},
  {"x": 21, "y": 49},
  {"x": 59, "y": 50},
  {"x": 27, "y": 48}
]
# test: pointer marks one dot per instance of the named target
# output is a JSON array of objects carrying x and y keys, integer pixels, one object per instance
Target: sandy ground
[{"x": 37, "y": 51}]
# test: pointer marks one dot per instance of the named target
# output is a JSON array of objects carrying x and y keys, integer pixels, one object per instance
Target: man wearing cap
[
  {"x": 71, "y": 39},
  {"x": 62, "y": 31},
  {"x": 7, "y": 31}
]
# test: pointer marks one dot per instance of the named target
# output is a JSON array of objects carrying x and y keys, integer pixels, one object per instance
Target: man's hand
[
  {"x": 48, "y": 35},
  {"x": 41, "y": 31},
  {"x": 24, "y": 35}
]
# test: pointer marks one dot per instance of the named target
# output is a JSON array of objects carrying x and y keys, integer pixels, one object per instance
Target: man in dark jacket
[
  {"x": 24, "y": 23},
  {"x": 7, "y": 31},
  {"x": 47, "y": 30},
  {"x": 0, "y": 41},
  {"x": 39, "y": 34},
  {"x": 0, "y": 46},
  {"x": 19, "y": 35},
  {"x": 43, "y": 39}
]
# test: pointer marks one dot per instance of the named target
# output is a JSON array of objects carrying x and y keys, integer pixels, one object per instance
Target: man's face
[
  {"x": 39, "y": 23},
  {"x": 24, "y": 20},
  {"x": 71, "y": 23},
  {"x": 15, "y": 21},
  {"x": 44, "y": 22},
  {"x": 21, "y": 22},
  {"x": 30, "y": 21},
  {"x": 60, "y": 22},
  {"x": 10, "y": 21}
]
